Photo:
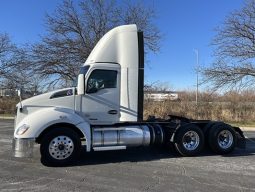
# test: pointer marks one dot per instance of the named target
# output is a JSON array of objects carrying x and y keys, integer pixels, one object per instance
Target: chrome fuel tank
[{"x": 121, "y": 136}]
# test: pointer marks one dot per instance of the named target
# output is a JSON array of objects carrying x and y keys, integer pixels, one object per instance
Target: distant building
[
  {"x": 13, "y": 93},
  {"x": 7, "y": 92},
  {"x": 161, "y": 95}
]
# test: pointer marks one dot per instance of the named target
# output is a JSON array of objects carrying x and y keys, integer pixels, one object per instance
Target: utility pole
[{"x": 197, "y": 54}]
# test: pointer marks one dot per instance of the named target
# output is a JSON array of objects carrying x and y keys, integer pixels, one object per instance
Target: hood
[{"x": 61, "y": 97}]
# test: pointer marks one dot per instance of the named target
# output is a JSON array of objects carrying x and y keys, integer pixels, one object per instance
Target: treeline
[{"x": 231, "y": 107}]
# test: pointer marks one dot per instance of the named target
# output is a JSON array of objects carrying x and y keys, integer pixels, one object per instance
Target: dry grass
[
  {"x": 221, "y": 111},
  {"x": 231, "y": 107},
  {"x": 8, "y": 105}
]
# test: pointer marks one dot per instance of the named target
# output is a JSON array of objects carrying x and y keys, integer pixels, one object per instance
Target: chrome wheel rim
[
  {"x": 190, "y": 140},
  {"x": 61, "y": 147},
  {"x": 225, "y": 139}
]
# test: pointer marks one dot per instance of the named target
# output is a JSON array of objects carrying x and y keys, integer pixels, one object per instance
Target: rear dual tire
[
  {"x": 222, "y": 138},
  {"x": 189, "y": 140}
]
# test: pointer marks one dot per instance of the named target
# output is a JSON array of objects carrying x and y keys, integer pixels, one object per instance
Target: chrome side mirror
[
  {"x": 81, "y": 85},
  {"x": 19, "y": 92}
]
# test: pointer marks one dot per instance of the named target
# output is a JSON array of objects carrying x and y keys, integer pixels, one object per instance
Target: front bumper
[{"x": 23, "y": 147}]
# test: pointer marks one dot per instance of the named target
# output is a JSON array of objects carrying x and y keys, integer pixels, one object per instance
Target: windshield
[{"x": 83, "y": 70}]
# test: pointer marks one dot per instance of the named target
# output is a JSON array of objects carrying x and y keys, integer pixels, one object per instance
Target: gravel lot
[{"x": 141, "y": 169}]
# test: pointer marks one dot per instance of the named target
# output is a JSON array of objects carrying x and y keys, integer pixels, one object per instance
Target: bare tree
[
  {"x": 74, "y": 30},
  {"x": 157, "y": 86},
  {"x": 234, "y": 51},
  {"x": 15, "y": 65},
  {"x": 5, "y": 54}
]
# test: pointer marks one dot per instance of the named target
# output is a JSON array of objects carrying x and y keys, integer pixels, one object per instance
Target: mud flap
[{"x": 240, "y": 138}]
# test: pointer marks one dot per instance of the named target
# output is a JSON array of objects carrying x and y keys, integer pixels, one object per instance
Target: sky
[{"x": 186, "y": 25}]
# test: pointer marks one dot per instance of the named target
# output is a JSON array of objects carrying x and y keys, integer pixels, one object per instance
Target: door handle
[{"x": 113, "y": 112}]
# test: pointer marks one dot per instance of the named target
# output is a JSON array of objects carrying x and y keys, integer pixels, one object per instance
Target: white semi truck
[{"x": 105, "y": 111}]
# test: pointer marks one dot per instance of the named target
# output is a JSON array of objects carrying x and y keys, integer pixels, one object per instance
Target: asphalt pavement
[{"x": 140, "y": 169}]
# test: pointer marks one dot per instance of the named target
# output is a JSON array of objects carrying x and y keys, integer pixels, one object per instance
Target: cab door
[{"x": 101, "y": 102}]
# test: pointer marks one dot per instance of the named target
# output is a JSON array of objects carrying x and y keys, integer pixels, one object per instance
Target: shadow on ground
[{"x": 149, "y": 154}]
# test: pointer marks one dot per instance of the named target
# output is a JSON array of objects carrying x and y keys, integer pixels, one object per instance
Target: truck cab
[{"x": 105, "y": 110}]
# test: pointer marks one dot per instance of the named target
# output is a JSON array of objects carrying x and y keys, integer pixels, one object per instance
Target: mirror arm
[{"x": 20, "y": 99}]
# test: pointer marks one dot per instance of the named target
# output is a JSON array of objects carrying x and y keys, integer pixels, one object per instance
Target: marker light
[{"x": 22, "y": 129}]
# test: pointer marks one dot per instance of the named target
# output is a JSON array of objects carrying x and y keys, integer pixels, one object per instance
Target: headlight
[{"x": 22, "y": 129}]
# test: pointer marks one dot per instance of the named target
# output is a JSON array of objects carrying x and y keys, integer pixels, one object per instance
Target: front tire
[
  {"x": 189, "y": 140},
  {"x": 60, "y": 147},
  {"x": 222, "y": 138}
]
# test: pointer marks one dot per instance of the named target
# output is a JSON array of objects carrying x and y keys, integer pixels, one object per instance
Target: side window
[{"x": 101, "y": 79}]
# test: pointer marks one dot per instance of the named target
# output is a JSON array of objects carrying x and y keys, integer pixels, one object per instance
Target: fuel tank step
[{"x": 109, "y": 148}]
